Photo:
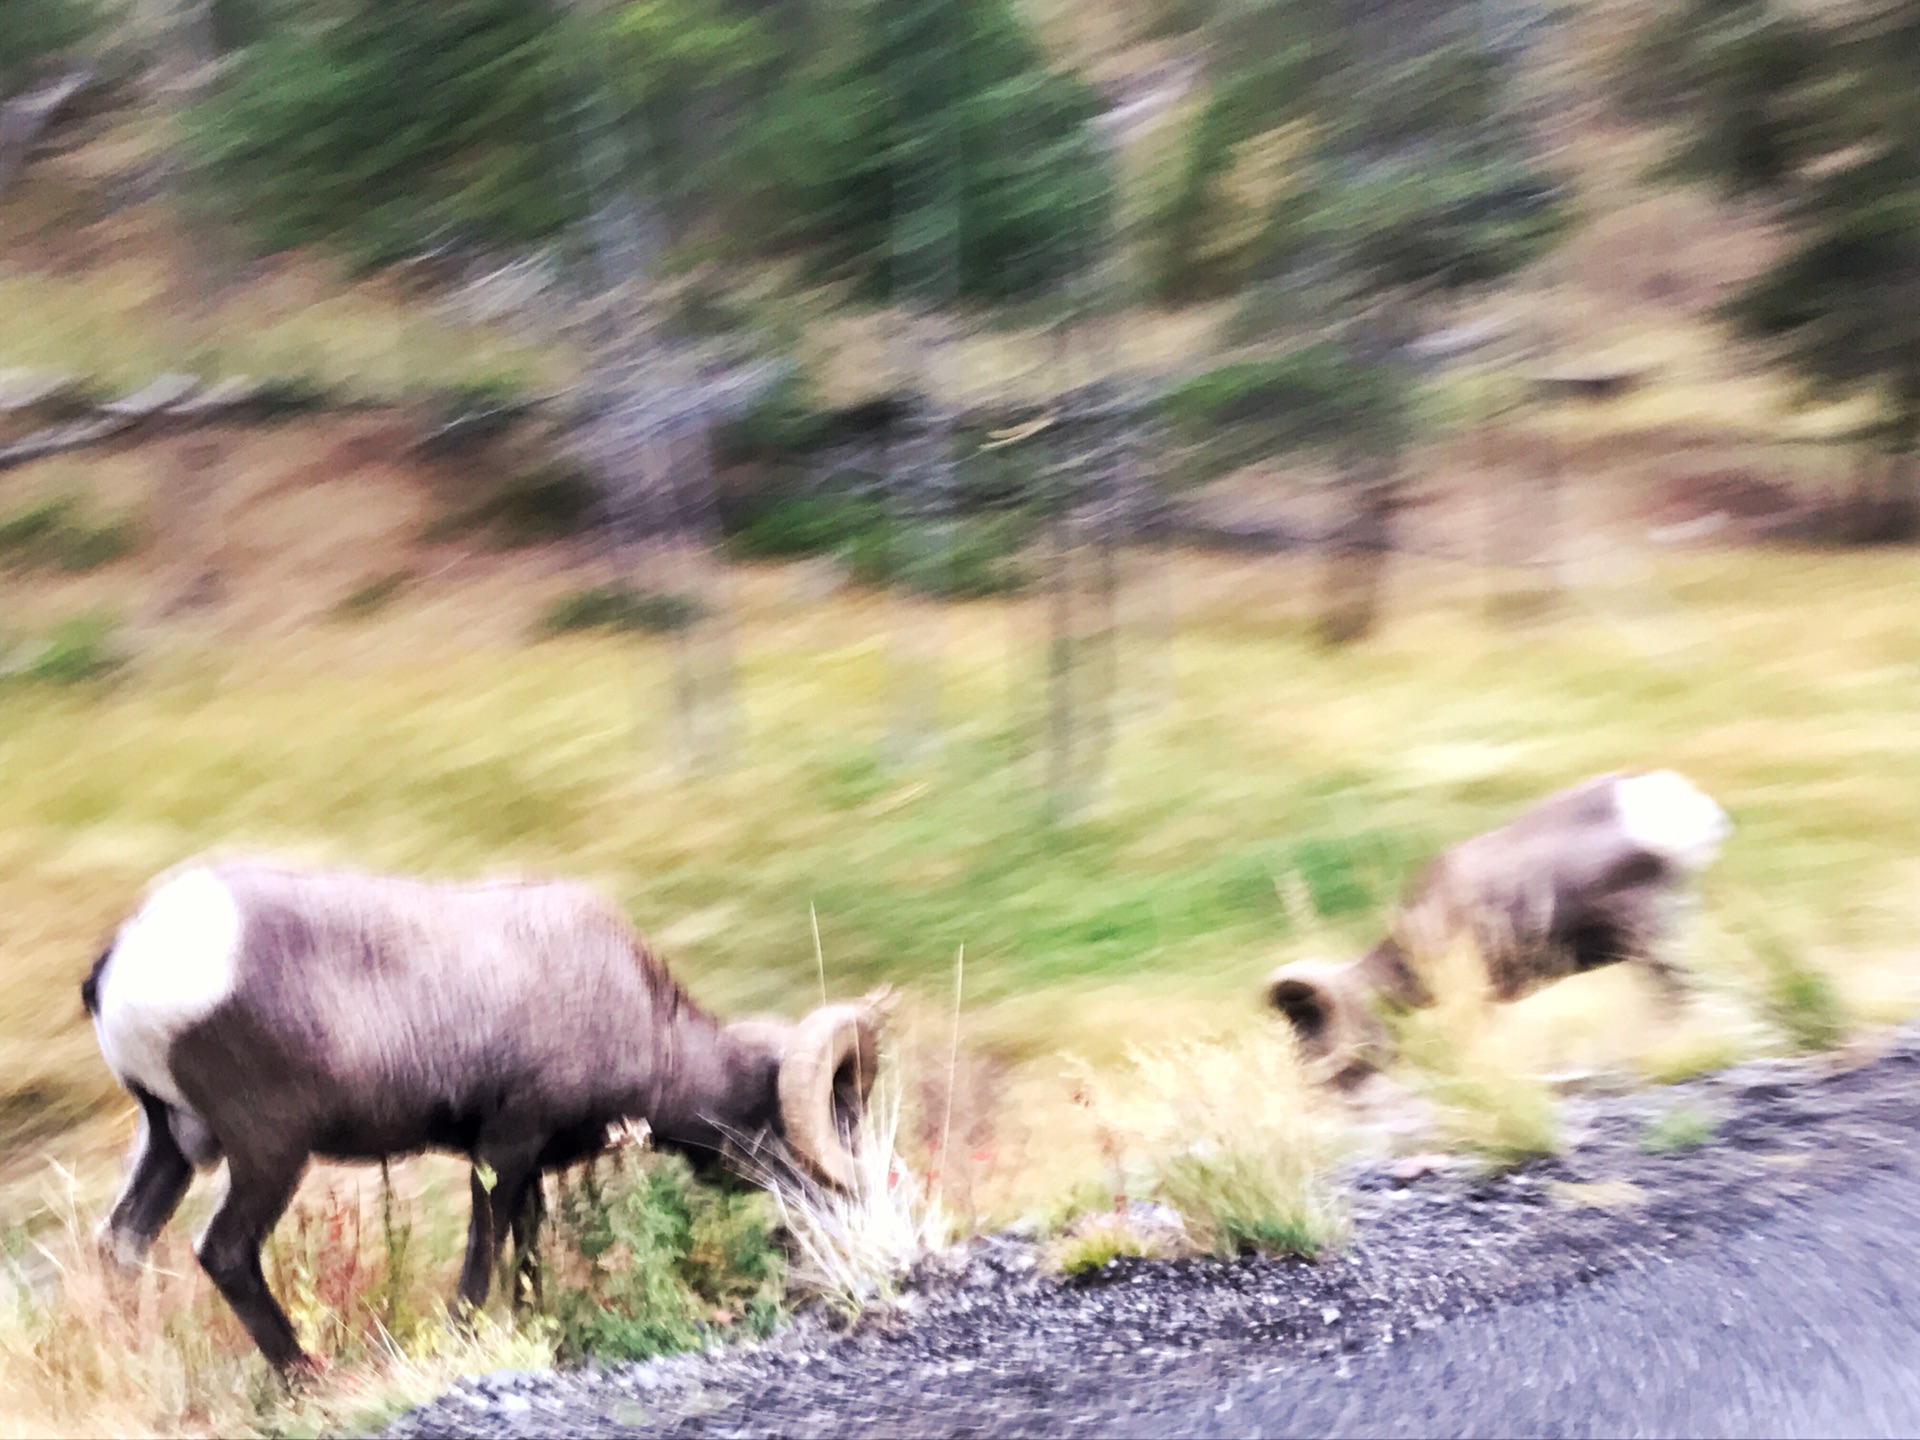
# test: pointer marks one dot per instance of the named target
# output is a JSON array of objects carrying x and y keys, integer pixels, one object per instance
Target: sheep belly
[{"x": 172, "y": 964}]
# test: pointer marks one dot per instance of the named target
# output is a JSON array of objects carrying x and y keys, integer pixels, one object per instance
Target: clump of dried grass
[
  {"x": 851, "y": 1249},
  {"x": 1485, "y": 1100},
  {"x": 1232, "y": 1135}
]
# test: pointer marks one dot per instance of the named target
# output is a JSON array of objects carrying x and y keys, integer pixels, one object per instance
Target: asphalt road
[
  {"x": 1765, "y": 1284},
  {"x": 1808, "y": 1325}
]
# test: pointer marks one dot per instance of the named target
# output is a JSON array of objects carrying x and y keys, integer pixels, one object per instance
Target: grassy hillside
[{"x": 1271, "y": 808}]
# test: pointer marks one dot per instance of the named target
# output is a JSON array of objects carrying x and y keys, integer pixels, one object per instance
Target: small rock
[
  {"x": 1597, "y": 1195},
  {"x": 1414, "y": 1166}
]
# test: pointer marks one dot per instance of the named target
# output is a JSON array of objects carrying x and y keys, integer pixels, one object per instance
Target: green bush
[
  {"x": 76, "y": 652},
  {"x": 1801, "y": 999},
  {"x": 373, "y": 596},
  {"x": 965, "y": 558},
  {"x": 651, "y": 1262},
  {"x": 1684, "y": 1127},
  {"x": 616, "y": 607},
  {"x": 793, "y": 525},
  {"x": 56, "y": 534},
  {"x": 536, "y": 506}
]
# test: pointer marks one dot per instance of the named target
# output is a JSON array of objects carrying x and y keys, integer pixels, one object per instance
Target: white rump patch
[
  {"x": 1666, "y": 814},
  {"x": 172, "y": 963}
]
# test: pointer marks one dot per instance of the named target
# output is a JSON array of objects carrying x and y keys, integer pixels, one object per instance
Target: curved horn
[
  {"x": 1328, "y": 1012},
  {"x": 828, "y": 1069}
]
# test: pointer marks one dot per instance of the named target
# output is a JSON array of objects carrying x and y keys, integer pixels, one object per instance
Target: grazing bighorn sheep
[
  {"x": 1588, "y": 877},
  {"x": 268, "y": 1014}
]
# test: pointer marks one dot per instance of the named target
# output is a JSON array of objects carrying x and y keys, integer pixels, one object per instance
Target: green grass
[
  {"x": 1276, "y": 761},
  {"x": 1099, "y": 1245},
  {"x": 1268, "y": 812},
  {"x": 117, "y": 327},
  {"x": 1682, "y": 1128}
]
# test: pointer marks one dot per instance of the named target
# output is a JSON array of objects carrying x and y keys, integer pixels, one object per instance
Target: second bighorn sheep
[
  {"x": 269, "y": 1014},
  {"x": 1591, "y": 876}
]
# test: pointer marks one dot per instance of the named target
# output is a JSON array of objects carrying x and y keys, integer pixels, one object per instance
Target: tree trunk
[
  {"x": 192, "y": 482},
  {"x": 1062, "y": 663},
  {"x": 1354, "y": 564},
  {"x": 922, "y": 542}
]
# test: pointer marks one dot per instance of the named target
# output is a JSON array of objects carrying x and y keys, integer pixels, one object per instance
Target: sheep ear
[
  {"x": 1307, "y": 994},
  {"x": 1326, "y": 1006}
]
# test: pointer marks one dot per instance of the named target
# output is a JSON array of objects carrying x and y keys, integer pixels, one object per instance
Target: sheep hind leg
[
  {"x": 156, "y": 1183},
  {"x": 257, "y": 1194}
]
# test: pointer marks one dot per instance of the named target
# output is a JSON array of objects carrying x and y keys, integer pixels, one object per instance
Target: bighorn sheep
[
  {"x": 1589, "y": 877},
  {"x": 268, "y": 1014}
]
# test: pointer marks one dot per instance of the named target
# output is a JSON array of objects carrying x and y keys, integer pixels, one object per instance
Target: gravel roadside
[{"x": 991, "y": 1345}]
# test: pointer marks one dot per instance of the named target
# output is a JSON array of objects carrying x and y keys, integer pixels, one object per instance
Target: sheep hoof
[{"x": 305, "y": 1371}]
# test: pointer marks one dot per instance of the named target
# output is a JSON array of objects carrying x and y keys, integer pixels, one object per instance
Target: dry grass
[
  {"x": 1487, "y": 1100},
  {"x": 851, "y": 1249},
  {"x": 87, "y": 1351},
  {"x": 1228, "y": 1131}
]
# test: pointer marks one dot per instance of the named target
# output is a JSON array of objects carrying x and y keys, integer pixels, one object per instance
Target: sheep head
[{"x": 821, "y": 1071}]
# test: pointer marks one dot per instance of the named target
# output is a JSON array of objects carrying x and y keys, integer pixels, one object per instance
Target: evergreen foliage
[
  {"x": 1816, "y": 113},
  {"x": 380, "y": 127},
  {"x": 35, "y": 32},
  {"x": 932, "y": 153},
  {"x": 1408, "y": 175}
]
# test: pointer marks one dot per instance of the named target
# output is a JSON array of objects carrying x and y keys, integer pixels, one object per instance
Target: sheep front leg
[
  {"x": 527, "y": 1216},
  {"x": 498, "y": 1187}
]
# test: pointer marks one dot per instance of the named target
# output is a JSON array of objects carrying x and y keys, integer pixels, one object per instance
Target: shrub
[
  {"x": 536, "y": 506},
  {"x": 1800, "y": 999},
  {"x": 793, "y": 525},
  {"x": 960, "y": 559},
  {"x": 1684, "y": 1127},
  {"x": 617, "y": 608},
  {"x": 56, "y": 534},
  {"x": 373, "y": 596},
  {"x": 76, "y": 652},
  {"x": 1232, "y": 1136},
  {"x": 649, "y": 1262}
]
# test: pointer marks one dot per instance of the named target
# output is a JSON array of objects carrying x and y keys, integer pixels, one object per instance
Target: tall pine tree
[
  {"x": 934, "y": 153},
  {"x": 1408, "y": 174},
  {"x": 1814, "y": 112}
]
